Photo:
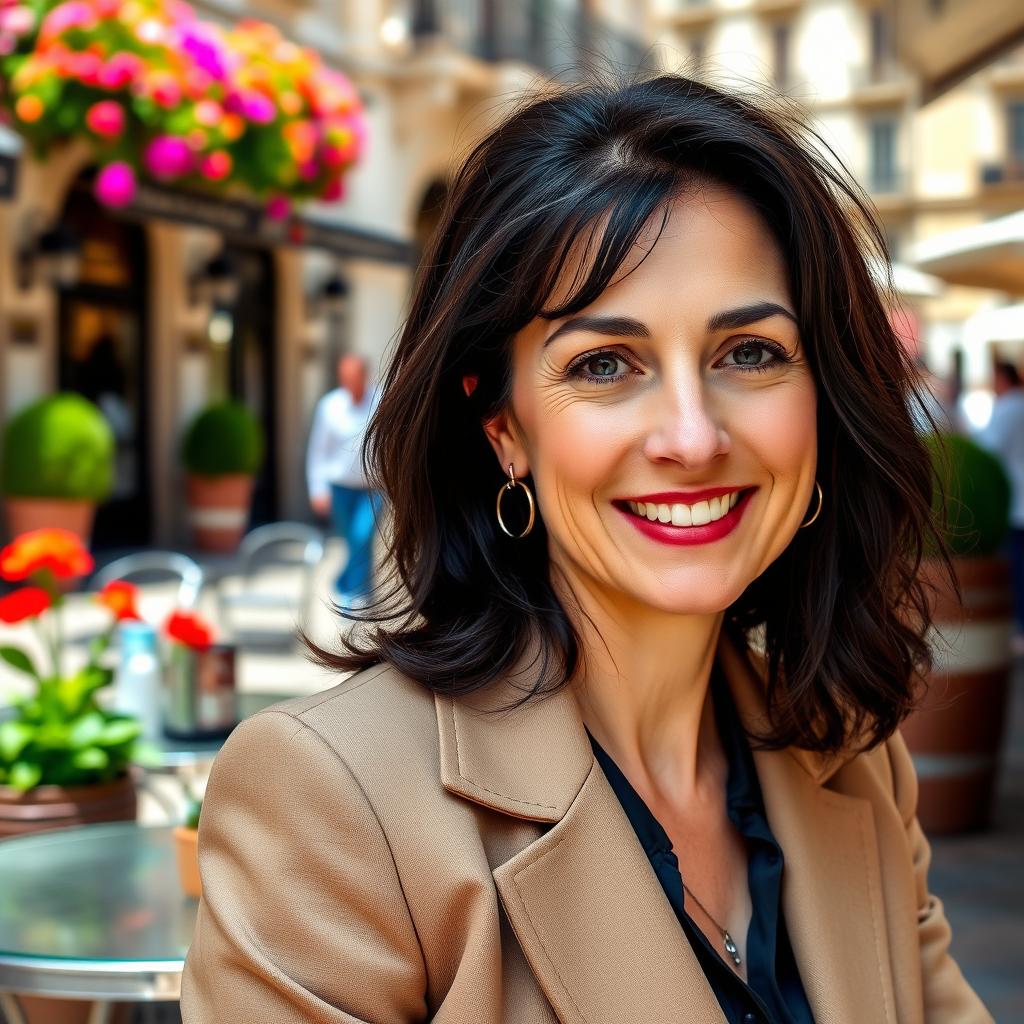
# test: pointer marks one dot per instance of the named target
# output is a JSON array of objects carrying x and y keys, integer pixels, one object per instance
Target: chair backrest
[
  {"x": 156, "y": 563},
  {"x": 267, "y": 544}
]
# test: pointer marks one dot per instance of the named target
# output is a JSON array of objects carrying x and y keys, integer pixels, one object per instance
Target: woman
[{"x": 619, "y": 747}]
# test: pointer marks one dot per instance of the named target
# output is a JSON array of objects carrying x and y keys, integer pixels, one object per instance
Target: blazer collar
[{"x": 533, "y": 761}]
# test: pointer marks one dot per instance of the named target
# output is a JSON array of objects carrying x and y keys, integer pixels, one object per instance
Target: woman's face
[{"x": 669, "y": 427}]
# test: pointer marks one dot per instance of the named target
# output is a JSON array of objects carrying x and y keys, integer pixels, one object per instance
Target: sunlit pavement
[{"x": 980, "y": 877}]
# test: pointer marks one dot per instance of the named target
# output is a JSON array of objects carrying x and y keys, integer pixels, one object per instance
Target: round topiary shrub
[
  {"x": 977, "y": 495},
  {"x": 58, "y": 447},
  {"x": 225, "y": 438}
]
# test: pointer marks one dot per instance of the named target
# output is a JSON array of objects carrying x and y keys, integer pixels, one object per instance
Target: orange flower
[
  {"x": 190, "y": 629},
  {"x": 120, "y": 597},
  {"x": 26, "y": 603},
  {"x": 59, "y": 551}
]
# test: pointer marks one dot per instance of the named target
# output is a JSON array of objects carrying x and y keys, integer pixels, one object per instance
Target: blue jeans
[{"x": 353, "y": 518}]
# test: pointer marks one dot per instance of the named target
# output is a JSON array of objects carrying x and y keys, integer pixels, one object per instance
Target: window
[
  {"x": 880, "y": 44},
  {"x": 1015, "y": 131},
  {"x": 883, "y": 175},
  {"x": 780, "y": 54}
]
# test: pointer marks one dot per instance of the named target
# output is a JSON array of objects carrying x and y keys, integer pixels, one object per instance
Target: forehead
[{"x": 714, "y": 248}]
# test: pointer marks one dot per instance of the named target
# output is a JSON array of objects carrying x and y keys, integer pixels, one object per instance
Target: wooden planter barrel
[
  {"x": 50, "y": 807},
  {"x": 956, "y": 734},
  {"x": 218, "y": 509}
]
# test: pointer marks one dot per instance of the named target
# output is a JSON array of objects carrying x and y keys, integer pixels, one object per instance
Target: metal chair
[
  {"x": 147, "y": 564},
  {"x": 279, "y": 545}
]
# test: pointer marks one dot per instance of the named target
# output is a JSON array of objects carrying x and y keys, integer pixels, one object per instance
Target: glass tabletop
[{"x": 102, "y": 893}]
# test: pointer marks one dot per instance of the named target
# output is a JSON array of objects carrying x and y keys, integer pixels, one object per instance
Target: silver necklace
[{"x": 727, "y": 941}]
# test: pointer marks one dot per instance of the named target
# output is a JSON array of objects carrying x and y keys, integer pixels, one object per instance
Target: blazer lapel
[
  {"x": 583, "y": 900},
  {"x": 832, "y": 886}
]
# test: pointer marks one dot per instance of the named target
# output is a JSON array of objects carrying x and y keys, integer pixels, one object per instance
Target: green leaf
[
  {"x": 147, "y": 755},
  {"x": 90, "y": 759},
  {"x": 14, "y": 737},
  {"x": 87, "y": 730},
  {"x": 17, "y": 658},
  {"x": 24, "y": 776},
  {"x": 119, "y": 731}
]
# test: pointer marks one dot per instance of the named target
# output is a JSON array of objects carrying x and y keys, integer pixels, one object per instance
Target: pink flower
[
  {"x": 333, "y": 190},
  {"x": 167, "y": 157},
  {"x": 17, "y": 20},
  {"x": 84, "y": 66},
  {"x": 73, "y": 14},
  {"x": 164, "y": 89},
  {"x": 216, "y": 165},
  {"x": 208, "y": 112},
  {"x": 107, "y": 9},
  {"x": 106, "y": 119},
  {"x": 115, "y": 184},
  {"x": 256, "y": 107},
  {"x": 119, "y": 71},
  {"x": 278, "y": 207}
]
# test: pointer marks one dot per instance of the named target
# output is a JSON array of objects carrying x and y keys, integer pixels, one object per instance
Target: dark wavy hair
[{"x": 841, "y": 614}]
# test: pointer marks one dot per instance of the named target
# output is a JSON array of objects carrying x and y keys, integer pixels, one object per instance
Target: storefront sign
[{"x": 247, "y": 223}]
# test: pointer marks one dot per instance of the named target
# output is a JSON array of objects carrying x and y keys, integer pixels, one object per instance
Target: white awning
[{"x": 987, "y": 255}]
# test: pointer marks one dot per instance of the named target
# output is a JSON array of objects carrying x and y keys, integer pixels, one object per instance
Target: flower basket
[{"x": 158, "y": 92}]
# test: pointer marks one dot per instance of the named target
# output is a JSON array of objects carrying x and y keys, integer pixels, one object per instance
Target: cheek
[{"x": 781, "y": 428}]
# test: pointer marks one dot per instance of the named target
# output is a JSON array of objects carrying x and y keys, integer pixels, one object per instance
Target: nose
[{"x": 686, "y": 427}]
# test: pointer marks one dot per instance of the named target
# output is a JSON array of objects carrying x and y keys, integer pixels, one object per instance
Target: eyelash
[{"x": 575, "y": 367}]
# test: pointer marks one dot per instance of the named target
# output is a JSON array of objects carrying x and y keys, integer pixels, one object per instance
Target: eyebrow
[{"x": 627, "y": 327}]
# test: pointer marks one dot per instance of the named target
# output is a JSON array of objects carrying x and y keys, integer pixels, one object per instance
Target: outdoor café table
[{"x": 93, "y": 913}]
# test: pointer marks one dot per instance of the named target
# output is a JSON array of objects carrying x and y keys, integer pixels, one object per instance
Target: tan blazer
[{"x": 375, "y": 853}]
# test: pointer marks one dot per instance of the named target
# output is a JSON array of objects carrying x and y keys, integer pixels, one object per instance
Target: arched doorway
[{"x": 101, "y": 353}]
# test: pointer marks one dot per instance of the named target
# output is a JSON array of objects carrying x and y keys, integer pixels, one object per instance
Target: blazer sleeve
[
  {"x": 303, "y": 917},
  {"x": 948, "y": 999}
]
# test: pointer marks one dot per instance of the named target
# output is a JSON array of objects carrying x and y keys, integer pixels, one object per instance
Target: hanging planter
[{"x": 165, "y": 96}]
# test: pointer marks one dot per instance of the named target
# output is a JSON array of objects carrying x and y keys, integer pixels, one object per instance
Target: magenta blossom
[
  {"x": 278, "y": 207},
  {"x": 72, "y": 14},
  {"x": 115, "y": 185},
  {"x": 167, "y": 157},
  {"x": 120, "y": 70}
]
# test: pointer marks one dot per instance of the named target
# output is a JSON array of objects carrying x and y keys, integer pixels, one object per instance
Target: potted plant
[
  {"x": 58, "y": 462},
  {"x": 186, "y": 847},
  {"x": 64, "y": 758},
  {"x": 222, "y": 453},
  {"x": 956, "y": 733}
]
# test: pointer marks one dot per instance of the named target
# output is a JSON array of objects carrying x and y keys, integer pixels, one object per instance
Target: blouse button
[{"x": 749, "y": 1018}]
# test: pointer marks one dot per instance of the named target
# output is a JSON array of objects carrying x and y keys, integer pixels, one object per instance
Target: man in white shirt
[
  {"x": 334, "y": 474},
  {"x": 1004, "y": 437}
]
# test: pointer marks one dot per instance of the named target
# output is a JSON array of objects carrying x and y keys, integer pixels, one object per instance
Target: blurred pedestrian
[
  {"x": 1004, "y": 437},
  {"x": 336, "y": 479}
]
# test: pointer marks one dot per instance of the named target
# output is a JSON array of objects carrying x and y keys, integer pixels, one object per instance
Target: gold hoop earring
[
  {"x": 817, "y": 511},
  {"x": 512, "y": 484}
]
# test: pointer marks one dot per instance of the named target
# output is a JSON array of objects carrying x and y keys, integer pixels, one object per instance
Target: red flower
[
  {"x": 26, "y": 603},
  {"x": 59, "y": 551},
  {"x": 190, "y": 629},
  {"x": 119, "y": 597}
]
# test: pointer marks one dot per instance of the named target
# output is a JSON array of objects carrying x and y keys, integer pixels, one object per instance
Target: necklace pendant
[{"x": 730, "y": 948}]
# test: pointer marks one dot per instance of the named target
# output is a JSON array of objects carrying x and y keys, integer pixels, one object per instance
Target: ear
[{"x": 502, "y": 432}]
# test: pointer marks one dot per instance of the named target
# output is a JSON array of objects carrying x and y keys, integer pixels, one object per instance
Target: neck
[{"x": 642, "y": 689}]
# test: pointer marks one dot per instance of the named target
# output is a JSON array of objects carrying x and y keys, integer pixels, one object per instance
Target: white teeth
[
  {"x": 681, "y": 515},
  {"x": 678, "y": 514}
]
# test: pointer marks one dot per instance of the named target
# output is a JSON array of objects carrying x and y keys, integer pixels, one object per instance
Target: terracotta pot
[
  {"x": 218, "y": 509},
  {"x": 49, "y": 807},
  {"x": 24, "y": 514},
  {"x": 956, "y": 734},
  {"x": 186, "y": 847}
]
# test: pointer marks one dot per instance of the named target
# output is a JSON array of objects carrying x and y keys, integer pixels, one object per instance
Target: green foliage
[
  {"x": 61, "y": 736},
  {"x": 224, "y": 438},
  {"x": 977, "y": 492},
  {"x": 58, "y": 447},
  {"x": 195, "y": 807}
]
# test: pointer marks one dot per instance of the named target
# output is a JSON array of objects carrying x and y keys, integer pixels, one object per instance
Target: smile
[{"x": 695, "y": 522}]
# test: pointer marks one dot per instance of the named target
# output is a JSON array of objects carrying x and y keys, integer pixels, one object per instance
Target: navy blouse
[{"x": 773, "y": 993}]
